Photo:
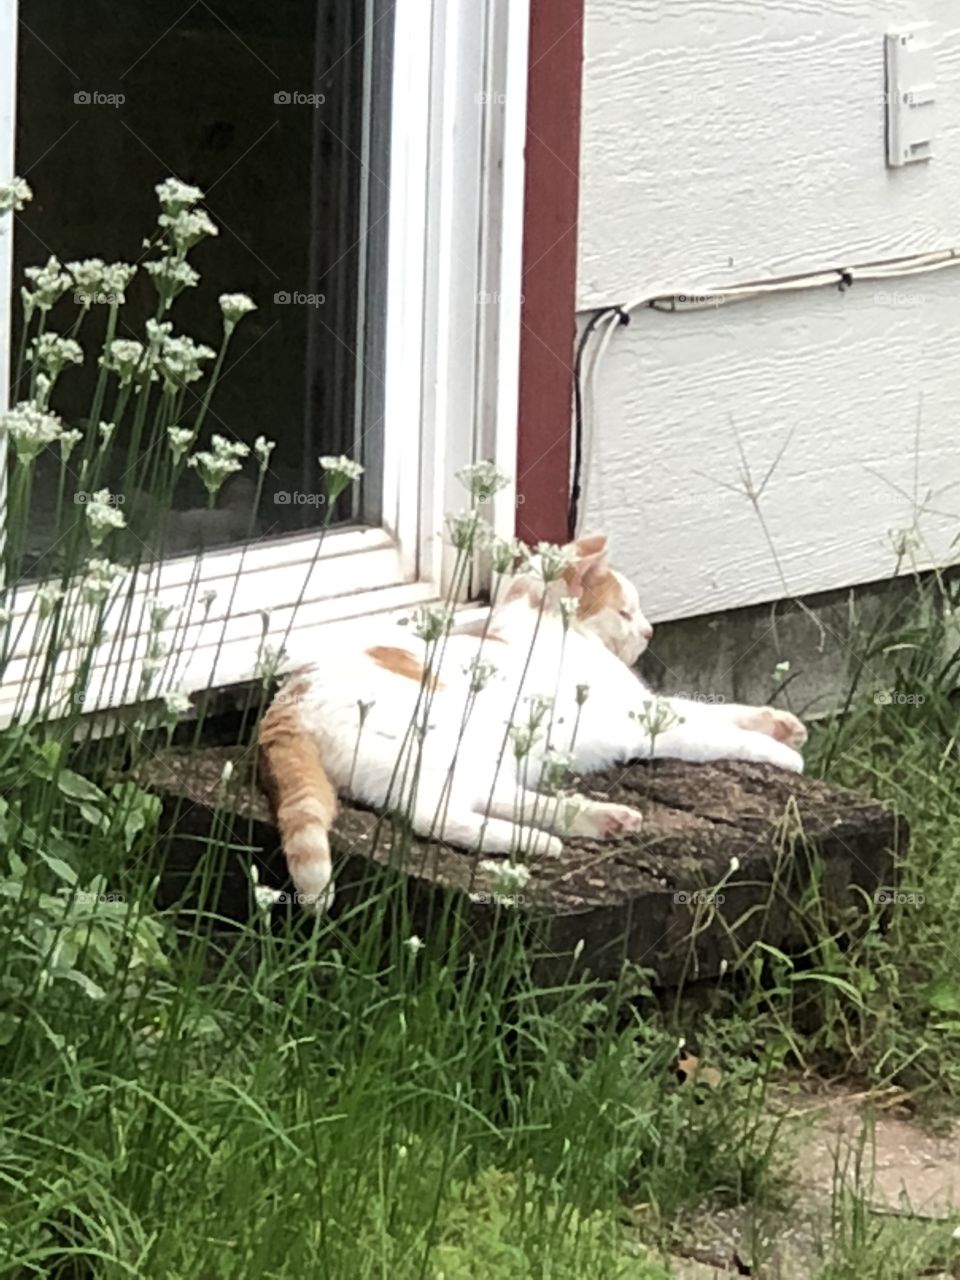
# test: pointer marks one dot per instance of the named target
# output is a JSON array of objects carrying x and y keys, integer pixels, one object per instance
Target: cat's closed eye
[{"x": 626, "y": 614}]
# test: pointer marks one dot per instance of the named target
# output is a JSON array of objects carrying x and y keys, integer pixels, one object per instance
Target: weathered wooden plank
[{"x": 726, "y": 853}]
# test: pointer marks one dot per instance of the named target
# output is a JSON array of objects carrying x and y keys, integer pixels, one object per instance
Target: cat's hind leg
[
  {"x": 571, "y": 815},
  {"x": 454, "y": 820}
]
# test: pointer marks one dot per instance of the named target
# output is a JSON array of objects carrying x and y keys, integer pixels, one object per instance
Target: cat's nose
[{"x": 646, "y": 632}]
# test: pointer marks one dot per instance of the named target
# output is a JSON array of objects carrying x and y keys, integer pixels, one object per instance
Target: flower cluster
[
  {"x": 95, "y": 279},
  {"x": 30, "y": 429},
  {"x": 99, "y": 577},
  {"x": 50, "y": 283},
  {"x": 339, "y": 473},
  {"x": 234, "y": 307},
  {"x": 508, "y": 877},
  {"x": 51, "y": 352},
  {"x": 222, "y": 459},
  {"x": 483, "y": 480},
  {"x": 103, "y": 516},
  {"x": 551, "y": 560},
  {"x": 14, "y": 195}
]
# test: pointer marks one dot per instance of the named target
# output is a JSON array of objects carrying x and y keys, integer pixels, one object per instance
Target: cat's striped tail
[{"x": 303, "y": 800}]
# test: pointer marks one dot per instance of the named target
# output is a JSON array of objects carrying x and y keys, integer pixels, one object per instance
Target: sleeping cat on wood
[{"x": 476, "y": 719}]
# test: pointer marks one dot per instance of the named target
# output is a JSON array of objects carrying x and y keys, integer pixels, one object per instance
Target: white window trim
[{"x": 452, "y": 362}]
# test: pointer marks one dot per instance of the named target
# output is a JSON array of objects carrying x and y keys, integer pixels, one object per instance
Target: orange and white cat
[{"x": 482, "y": 716}]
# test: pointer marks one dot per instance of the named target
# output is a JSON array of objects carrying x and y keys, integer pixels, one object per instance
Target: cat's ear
[{"x": 589, "y": 560}]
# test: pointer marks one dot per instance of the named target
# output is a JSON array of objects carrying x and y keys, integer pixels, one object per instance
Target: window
[{"x": 364, "y": 163}]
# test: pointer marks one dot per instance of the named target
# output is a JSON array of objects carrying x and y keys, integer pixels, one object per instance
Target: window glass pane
[{"x": 277, "y": 112}]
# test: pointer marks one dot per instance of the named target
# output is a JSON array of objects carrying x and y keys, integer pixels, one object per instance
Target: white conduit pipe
[{"x": 710, "y": 299}]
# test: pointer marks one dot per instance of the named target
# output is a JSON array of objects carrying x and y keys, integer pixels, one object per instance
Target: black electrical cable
[{"x": 575, "y": 479}]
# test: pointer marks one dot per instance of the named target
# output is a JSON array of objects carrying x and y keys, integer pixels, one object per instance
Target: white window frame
[{"x": 454, "y": 271}]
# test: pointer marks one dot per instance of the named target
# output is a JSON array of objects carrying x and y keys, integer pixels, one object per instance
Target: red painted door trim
[{"x": 548, "y": 310}]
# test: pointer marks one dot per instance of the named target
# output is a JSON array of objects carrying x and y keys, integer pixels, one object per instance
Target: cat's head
[{"x": 608, "y": 606}]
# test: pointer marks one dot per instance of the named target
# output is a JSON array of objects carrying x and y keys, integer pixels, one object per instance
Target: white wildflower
[
  {"x": 413, "y": 944},
  {"x": 483, "y": 480},
  {"x": 538, "y": 705},
  {"x": 222, "y": 459},
  {"x": 234, "y": 307},
  {"x": 176, "y": 704},
  {"x": 508, "y": 877},
  {"x": 568, "y": 610},
  {"x": 656, "y": 717},
  {"x": 172, "y": 276},
  {"x": 50, "y": 283},
  {"x": 180, "y": 440},
  {"x": 782, "y": 668},
  {"x": 207, "y": 600},
  {"x": 555, "y": 769},
  {"x": 480, "y": 672},
  {"x": 507, "y": 555},
  {"x": 187, "y": 227},
  {"x": 466, "y": 531},
  {"x": 49, "y": 594},
  {"x": 14, "y": 195},
  {"x": 582, "y": 694},
  {"x": 42, "y": 386},
  {"x": 103, "y": 516},
  {"x": 226, "y": 773},
  {"x": 99, "y": 577},
  {"x": 523, "y": 737},
  {"x": 68, "y": 442},
  {"x": 106, "y": 430},
  {"x": 97, "y": 281},
  {"x": 734, "y": 864},
  {"x": 175, "y": 195},
  {"x": 123, "y": 357},
  {"x": 160, "y": 613},
  {"x": 158, "y": 331},
  {"x": 339, "y": 473},
  {"x": 51, "y": 352},
  {"x": 551, "y": 560},
  {"x": 180, "y": 360},
  {"x": 262, "y": 448},
  {"x": 263, "y": 895},
  {"x": 30, "y": 429},
  {"x": 268, "y": 663},
  {"x": 431, "y": 622}
]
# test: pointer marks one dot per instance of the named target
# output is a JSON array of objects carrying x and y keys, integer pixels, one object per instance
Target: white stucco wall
[{"x": 732, "y": 140}]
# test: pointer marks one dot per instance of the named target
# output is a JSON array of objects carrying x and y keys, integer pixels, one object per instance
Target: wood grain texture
[
  {"x": 729, "y": 140},
  {"x": 857, "y": 393},
  {"x": 667, "y": 900}
]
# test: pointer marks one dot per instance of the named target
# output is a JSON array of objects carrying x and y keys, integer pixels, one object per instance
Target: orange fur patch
[
  {"x": 601, "y": 592},
  {"x": 401, "y": 663}
]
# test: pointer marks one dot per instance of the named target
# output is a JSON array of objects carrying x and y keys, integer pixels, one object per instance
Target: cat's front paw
[
  {"x": 608, "y": 821},
  {"x": 783, "y": 726},
  {"x": 775, "y": 752}
]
